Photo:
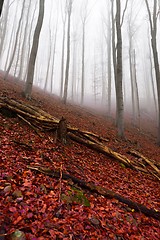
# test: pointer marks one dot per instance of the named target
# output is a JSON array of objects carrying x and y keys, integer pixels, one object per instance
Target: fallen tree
[
  {"x": 40, "y": 120},
  {"x": 99, "y": 190}
]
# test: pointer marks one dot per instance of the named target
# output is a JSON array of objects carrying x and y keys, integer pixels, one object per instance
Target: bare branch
[
  {"x": 149, "y": 14},
  {"x": 124, "y": 12}
]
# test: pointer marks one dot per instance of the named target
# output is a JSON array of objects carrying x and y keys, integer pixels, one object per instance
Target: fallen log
[
  {"x": 149, "y": 162},
  {"x": 40, "y": 120},
  {"x": 103, "y": 149},
  {"x": 99, "y": 190}
]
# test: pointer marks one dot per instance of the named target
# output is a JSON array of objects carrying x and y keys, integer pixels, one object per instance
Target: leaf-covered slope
[{"x": 48, "y": 208}]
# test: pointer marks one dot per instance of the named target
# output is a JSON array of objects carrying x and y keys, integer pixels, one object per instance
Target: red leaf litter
[{"x": 31, "y": 202}]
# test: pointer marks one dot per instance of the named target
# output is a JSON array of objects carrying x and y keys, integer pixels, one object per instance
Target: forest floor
[{"x": 46, "y": 208}]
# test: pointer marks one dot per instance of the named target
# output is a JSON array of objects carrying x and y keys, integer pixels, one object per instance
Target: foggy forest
[
  {"x": 80, "y": 104},
  {"x": 76, "y": 56}
]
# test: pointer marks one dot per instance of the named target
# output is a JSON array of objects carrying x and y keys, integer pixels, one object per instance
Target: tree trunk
[
  {"x": 83, "y": 52},
  {"x": 119, "y": 90},
  {"x": 153, "y": 28},
  {"x": 109, "y": 65},
  {"x": 23, "y": 55},
  {"x": 4, "y": 26},
  {"x": 1, "y": 6},
  {"x": 31, "y": 66},
  {"x": 68, "y": 53},
  {"x": 16, "y": 41}
]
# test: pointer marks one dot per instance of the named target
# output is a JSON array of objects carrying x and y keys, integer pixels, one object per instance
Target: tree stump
[{"x": 62, "y": 131}]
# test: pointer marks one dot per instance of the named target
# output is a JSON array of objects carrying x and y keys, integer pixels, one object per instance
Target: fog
[{"x": 96, "y": 49}]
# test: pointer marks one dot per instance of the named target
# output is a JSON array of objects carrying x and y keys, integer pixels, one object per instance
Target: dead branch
[
  {"x": 149, "y": 162},
  {"x": 99, "y": 190}
]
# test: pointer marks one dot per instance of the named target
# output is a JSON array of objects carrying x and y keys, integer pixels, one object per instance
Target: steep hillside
[{"x": 44, "y": 207}]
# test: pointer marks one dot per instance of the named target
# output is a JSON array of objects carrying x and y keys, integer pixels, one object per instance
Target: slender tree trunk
[
  {"x": 62, "y": 61},
  {"x": 152, "y": 79},
  {"x": 119, "y": 90},
  {"x": 33, "y": 54},
  {"x": 131, "y": 77},
  {"x": 53, "y": 56},
  {"x": 109, "y": 65},
  {"x": 4, "y": 27},
  {"x": 49, "y": 61},
  {"x": 74, "y": 63},
  {"x": 15, "y": 43},
  {"x": 137, "y": 108},
  {"x": 68, "y": 54},
  {"x": 22, "y": 57},
  {"x": 63, "y": 47},
  {"x": 153, "y": 28},
  {"x": 30, "y": 41},
  {"x": 114, "y": 51},
  {"x": 83, "y": 52}
]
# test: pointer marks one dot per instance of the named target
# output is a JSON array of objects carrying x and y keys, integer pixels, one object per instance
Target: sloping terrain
[{"x": 48, "y": 208}]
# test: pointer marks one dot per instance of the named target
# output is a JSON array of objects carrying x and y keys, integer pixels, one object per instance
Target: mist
[{"x": 91, "y": 60}]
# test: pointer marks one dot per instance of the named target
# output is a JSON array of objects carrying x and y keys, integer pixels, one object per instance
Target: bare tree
[
  {"x": 119, "y": 90},
  {"x": 28, "y": 50},
  {"x": 132, "y": 64},
  {"x": 69, "y": 11},
  {"x": 33, "y": 54},
  {"x": 16, "y": 40},
  {"x": 74, "y": 64},
  {"x": 84, "y": 16},
  {"x": 53, "y": 55},
  {"x": 153, "y": 30},
  {"x": 117, "y": 63},
  {"x": 4, "y": 20},
  {"x": 24, "y": 42},
  {"x": 152, "y": 74},
  {"x": 64, "y": 17},
  {"x": 108, "y": 37}
]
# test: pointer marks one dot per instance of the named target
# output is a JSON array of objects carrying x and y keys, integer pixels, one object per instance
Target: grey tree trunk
[
  {"x": 114, "y": 50},
  {"x": 74, "y": 65},
  {"x": 62, "y": 61},
  {"x": 33, "y": 54},
  {"x": 49, "y": 60},
  {"x": 68, "y": 53},
  {"x": 83, "y": 55},
  {"x": 63, "y": 46},
  {"x": 152, "y": 78},
  {"x": 30, "y": 41},
  {"x": 15, "y": 43},
  {"x": 109, "y": 65},
  {"x": 4, "y": 20},
  {"x": 22, "y": 57},
  {"x": 53, "y": 56},
  {"x": 119, "y": 90},
  {"x": 136, "y": 89},
  {"x": 153, "y": 29}
]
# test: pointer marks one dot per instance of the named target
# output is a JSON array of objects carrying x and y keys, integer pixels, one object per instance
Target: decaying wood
[
  {"x": 99, "y": 190},
  {"x": 62, "y": 131},
  {"x": 149, "y": 162},
  {"x": 103, "y": 149},
  {"x": 39, "y": 120}
]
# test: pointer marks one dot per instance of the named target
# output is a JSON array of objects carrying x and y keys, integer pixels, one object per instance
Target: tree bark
[
  {"x": 33, "y": 54},
  {"x": 119, "y": 90},
  {"x": 153, "y": 29},
  {"x": 68, "y": 53}
]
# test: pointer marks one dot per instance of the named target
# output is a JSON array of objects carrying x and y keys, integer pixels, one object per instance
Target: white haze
[{"x": 94, "y": 39}]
